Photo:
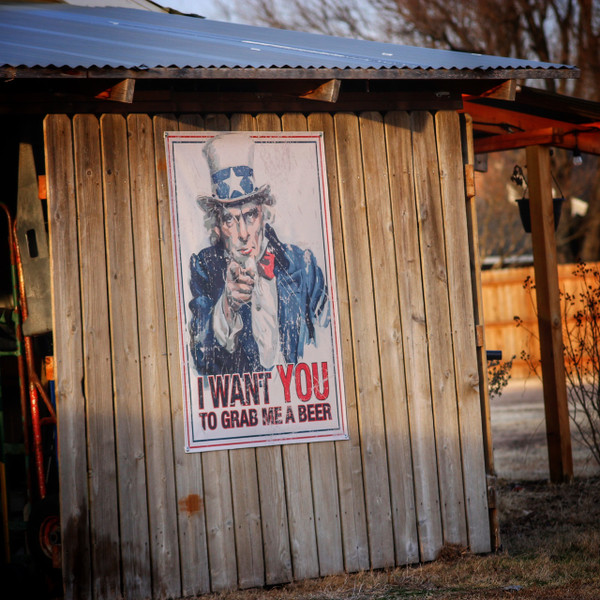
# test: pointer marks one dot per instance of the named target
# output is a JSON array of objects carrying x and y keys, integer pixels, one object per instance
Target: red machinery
[{"x": 30, "y": 313}]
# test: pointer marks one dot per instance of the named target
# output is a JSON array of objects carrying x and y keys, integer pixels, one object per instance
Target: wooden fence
[
  {"x": 143, "y": 519},
  {"x": 505, "y": 297}
]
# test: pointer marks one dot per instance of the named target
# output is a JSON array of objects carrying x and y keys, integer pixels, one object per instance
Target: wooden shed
[{"x": 140, "y": 517}]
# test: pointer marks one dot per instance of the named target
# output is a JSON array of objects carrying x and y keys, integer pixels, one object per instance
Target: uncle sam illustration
[{"x": 256, "y": 301}]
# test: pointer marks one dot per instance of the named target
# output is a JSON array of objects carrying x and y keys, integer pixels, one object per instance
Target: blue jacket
[{"x": 302, "y": 305}]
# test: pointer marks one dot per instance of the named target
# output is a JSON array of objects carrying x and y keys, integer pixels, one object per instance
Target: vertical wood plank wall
[{"x": 142, "y": 519}]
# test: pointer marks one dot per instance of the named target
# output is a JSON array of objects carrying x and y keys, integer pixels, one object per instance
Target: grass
[{"x": 551, "y": 551}]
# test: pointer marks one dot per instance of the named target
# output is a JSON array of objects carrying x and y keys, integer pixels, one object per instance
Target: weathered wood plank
[
  {"x": 164, "y": 549},
  {"x": 463, "y": 328},
  {"x": 135, "y": 553},
  {"x": 278, "y": 564},
  {"x": 435, "y": 284},
  {"x": 244, "y": 479},
  {"x": 219, "y": 520},
  {"x": 343, "y": 510},
  {"x": 188, "y": 467},
  {"x": 303, "y": 542},
  {"x": 389, "y": 329},
  {"x": 296, "y": 464},
  {"x": 327, "y": 508},
  {"x": 217, "y": 482},
  {"x": 104, "y": 516},
  {"x": 414, "y": 332},
  {"x": 477, "y": 295},
  {"x": 364, "y": 338},
  {"x": 246, "y": 514},
  {"x": 68, "y": 352}
]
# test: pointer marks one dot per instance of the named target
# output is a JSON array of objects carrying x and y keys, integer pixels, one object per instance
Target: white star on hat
[{"x": 235, "y": 183}]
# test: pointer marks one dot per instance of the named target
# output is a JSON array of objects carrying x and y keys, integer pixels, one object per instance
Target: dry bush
[{"x": 580, "y": 312}]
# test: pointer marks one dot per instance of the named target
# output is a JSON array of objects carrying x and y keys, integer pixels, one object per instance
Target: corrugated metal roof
[
  {"x": 137, "y": 4},
  {"x": 41, "y": 36}
]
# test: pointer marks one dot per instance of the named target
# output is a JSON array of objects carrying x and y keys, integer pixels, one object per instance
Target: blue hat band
[{"x": 233, "y": 182}]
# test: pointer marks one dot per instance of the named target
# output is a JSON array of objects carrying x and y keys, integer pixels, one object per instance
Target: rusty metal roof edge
[{"x": 108, "y": 72}]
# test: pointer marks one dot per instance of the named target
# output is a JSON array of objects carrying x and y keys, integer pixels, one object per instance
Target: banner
[{"x": 257, "y": 309}]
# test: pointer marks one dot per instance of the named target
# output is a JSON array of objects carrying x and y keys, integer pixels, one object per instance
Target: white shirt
[{"x": 265, "y": 322}]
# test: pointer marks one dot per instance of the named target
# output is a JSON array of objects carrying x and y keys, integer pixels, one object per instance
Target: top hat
[{"x": 230, "y": 158}]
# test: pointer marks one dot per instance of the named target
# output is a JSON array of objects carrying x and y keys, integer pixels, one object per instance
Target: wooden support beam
[
  {"x": 524, "y": 130},
  {"x": 587, "y": 140},
  {"x": 326, "y": 92},
  {"x": 549, "y": 315},
  {"x": 486, "y": 117},
  {"x": 218, "y": 102},
  {"x": 507, "y": 90},
  {"x": 121, "y": 92},
  {"x": 510, "y": 141}
]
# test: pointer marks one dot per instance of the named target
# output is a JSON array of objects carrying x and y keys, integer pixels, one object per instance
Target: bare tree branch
[{"x": 562, "y": 31}]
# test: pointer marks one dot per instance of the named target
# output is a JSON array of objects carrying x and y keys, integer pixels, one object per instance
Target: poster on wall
[{"x": 257, "y": 309}]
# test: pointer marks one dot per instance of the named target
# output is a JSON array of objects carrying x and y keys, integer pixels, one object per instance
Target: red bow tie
[{"x": 267, "y": 265}]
